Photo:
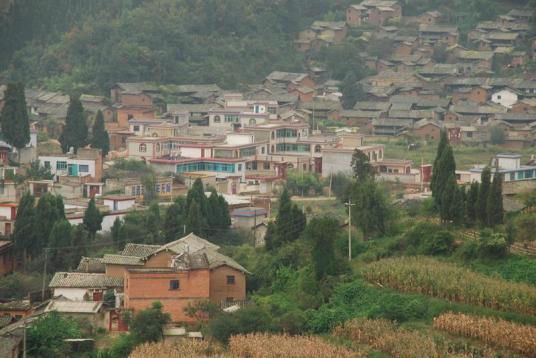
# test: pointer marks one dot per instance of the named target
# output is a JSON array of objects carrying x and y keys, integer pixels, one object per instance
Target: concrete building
[
  {"x": 86, "y": 163},
  {"x": 510, "y": 167}
]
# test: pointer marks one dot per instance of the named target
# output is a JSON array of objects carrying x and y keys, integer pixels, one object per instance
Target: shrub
[{"x": 245, "y": 320}]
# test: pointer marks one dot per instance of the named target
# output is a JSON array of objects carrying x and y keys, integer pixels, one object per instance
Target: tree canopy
[
  {"x": 75, "y": 131},
  {"x": 14, "y": 116}
]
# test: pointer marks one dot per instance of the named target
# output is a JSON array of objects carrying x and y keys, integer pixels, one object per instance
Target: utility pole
[
  {"x": 349, "y": 205},
  {"x": 330, "y": 181},
  {"x": 44, "y": 275},
  {"x": 24, "y": 338}
]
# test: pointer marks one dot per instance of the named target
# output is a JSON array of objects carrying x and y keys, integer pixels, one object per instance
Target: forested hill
[{"x": 70, "y": 43}]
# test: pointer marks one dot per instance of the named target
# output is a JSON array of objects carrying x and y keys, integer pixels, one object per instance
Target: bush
[
  {"x": 440, "y": 243},
  {"x": 245, "y": 320},
  {"x": 490, "y": 246}
]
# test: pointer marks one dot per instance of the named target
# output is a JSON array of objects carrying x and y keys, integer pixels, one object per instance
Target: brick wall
[{"x": 220, "y": 290}]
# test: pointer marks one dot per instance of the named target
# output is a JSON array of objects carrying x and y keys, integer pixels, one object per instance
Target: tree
[
  {"x": 351, "y": 91},
  {"x": 47, "y": 214},
  {"x": 174, "y": 220},
  {"x": 322, "y": 233},
  {"x": 133, "y": 228},
  {"x": 445, "y": 169},
  {"x": 153, "y": 222},
  {"x": 195, "y": 220},
  {"x": 148, "y": 324},
  {"x": 92, "y": 219},
  {"x": 361, "y": 166},
  {"x": 225, "y": 216},
  {"x": 214, "y": 211},
  {"x": 451, "y": 202},
  {"x": 115, "y": 232},
  {"x": 78, "y": 242},
  {"x": 59, "y": 240},
  {"x": 494, "y": 203},
  {"x": 443, "y": 143},
  {"x": 483, "y": 193},
  {"x": 497, "y": 135},
  {"x": 371, "y": 213},
  {"x": 46, "y": 336},
  {"x": 99, "y": 137},
  {"x": 75, "y": 131},
  {"x": 14, "y": 116},
  {"x": 197, "y": 194},
  {"x": 471, "y": 207},
  {"x": 24, "y": 232}
]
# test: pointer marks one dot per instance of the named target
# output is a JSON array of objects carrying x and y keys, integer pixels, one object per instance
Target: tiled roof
[
  {"x": 15, "y": 306},
  {"x": 216, "y": 259},
  {"x": 84, "y": 280},
  {"x": 121, "y": 260},
  {"x": 74, "y": 306},
  {"x": 91, "y": 265},
  {"x": 139, "y": 250}
]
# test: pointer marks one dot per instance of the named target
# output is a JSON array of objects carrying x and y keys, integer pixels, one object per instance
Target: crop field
[{"x": 449, "y": 281}]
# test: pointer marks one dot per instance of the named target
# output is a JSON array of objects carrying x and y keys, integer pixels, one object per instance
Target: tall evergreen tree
[
  {"x": 197, "y": 194},
  {"x": 471, "y": 207},
  {"x": 214, "y": 211},
  {"x": 322, "y": 232},
  {"x": 99, "y": 136},
  {"x": 14, "y": 117},
  {"x": 443, "y": 142},
  {"x": 270, "y": 237},
  {"x": 225, "y": 216},
  {"x": 371, "y": 212},
  {"x": 284, "y": 223},
  {"x": 58, "y": 242},
  {"x": 75, "y": 131},
  {"x": 361, "y": 166},
  {"x": 174, "y": 220},
  {"x": 195, "y": 221},
  {"x": 60, "y": 207},
  {"x": 24, "y": 232},
  {"x": 153, "y": 223},
  {"x": 47, "y": 214},
  {"x": 115, "y": 232},
  {"x": 92, "y": 219},
  {"x": 446, "y": 167},
  {"x": 494, "y": 204},
  {"x": 483, "y": 192},
  {"x": 78, "y": 242}
]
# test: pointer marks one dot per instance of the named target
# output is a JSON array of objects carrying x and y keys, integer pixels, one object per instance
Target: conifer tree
[
  {"x": 46, "y": 215},
  {"x": 195, "y": 221},
  {"x": 116, "y": 232},
  {"x": 494, "y": 204},
  {"x": 361, "y": 166},
  {"x": 174, "y": 220},
  {"x": 75, "y": 131},
  {"x": 79, "y": 240},
  {"x": 443, "y": 142},
  {"x": 322, "y": 232},
  {"x": 59, "y": 240},
  {"x": 225, "y": 216},
  {"x": 446, "y": 166},
  {"x": 152, "y": 223},
  {"x": 483, "y": 193},
  {"x": 99, "y": 136},
  {"x": 14, "y": 117},
  {"x": 92, "y": 219},
  {"x": 197, "y": 194},
  {"x": 214, "y": 211},
  {"x": 471, "y": 207},
  {"x": 24, "y": 232}
]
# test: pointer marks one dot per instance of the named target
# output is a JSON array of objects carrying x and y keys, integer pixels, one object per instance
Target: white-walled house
[
  {"x": 119, "y": 202},
  {"x": 505, "y": 97},
  {"x": 81, "y": 286},
  {"x": 88, "y": 162},
  {"x": 509, "y": 165}
]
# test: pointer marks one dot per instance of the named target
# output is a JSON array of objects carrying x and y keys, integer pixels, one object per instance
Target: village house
[
  {"x": 195, "y": 114},
  {"x": 433, "y": 34},
  {"x": 373, "y": 12},
  {"x": 86, "y": 163},
  {"x": 179, "y": 274},
  {"x": 510, "y": 168},
  {"x": 475, "y": 94},
  {"x": 248, "y": 218},
  {"x": 524, "y": 105},
  {"x": 505, "y": 97},
  {"x": 8, "y": 215},
  {"x": 284, "y": 79},
  {"x": 80, "y": 286},
  {"x": 430, "y": 17},
  {"x": 427, "y": 129}
]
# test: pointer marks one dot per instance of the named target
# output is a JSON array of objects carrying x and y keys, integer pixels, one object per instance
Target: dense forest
[{"x": 89, "y": 45}]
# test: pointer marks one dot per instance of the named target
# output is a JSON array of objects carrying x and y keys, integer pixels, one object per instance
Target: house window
[
  {"x": 47, "y": 164},
  {"x": 142, "y": 148},
  {"x": 61, "y": 165},
  {"x": 252, "y": 122},
  {"x": 83, "y": 168},
  {"x": 174, "y": 285},
  {"x": 318, "y": 148},
  {"x": 239, "y": 167},
  {"x": 262, "y": 150},
  {"x": 499, "y": 97},
  {"x": 158, "y": 147},
  {"x": 168, "y": 188},
  {"x": 230, "y": 280},
  {"x": 266, "y": 165},
  {"x": 136, "y": 128},
  {"x": 217, "y": 119}
]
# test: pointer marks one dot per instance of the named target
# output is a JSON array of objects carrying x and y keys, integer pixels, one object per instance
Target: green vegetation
[
  {"x": 75, "y": 132},
  {"x": 14, "y": 117},
  {"x": 46, "y": 336},
  {"x": 92, "y": 219},
  {"x": 99, "y": 135}
]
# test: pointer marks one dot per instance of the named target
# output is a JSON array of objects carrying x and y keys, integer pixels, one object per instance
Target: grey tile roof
[
  {"x": 84, "y": 280},
  {"x": 216, "y": 260},
  {"x": 139, "y": 250},
  {"x": 110, "y": 259},
  {"x": 91, "y": 265},
  {"x": 190, "y": 242},
  {"x": 74, "y": 306}
]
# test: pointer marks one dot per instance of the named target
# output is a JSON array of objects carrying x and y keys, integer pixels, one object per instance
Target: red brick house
[
  {"x": 177, "y": 274},
  {"x": 7, "y": 259}
]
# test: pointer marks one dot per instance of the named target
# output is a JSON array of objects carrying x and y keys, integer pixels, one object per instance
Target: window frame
[{"x": 174, "y": 285}]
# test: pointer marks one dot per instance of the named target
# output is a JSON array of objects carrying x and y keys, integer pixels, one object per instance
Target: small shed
[{"x": 249, "y": 217}]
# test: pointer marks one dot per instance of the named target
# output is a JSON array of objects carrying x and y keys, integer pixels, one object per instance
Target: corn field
[
  {"x": 451, "y": 282},
  {"x": 385, "y": 336},
  {"x": 496, "y": 332},
  {"x": 262, "y": 345},
  {"x": 184, "y": 348}
]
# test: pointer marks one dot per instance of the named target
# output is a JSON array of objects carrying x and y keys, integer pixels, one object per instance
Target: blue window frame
[
  {"x": 60, "y": 165},
  {"x": 83, "y": 168}
]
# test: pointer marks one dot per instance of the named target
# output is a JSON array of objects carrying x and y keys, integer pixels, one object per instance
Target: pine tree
[
  {"x": 24, "y": 232},
  {"x": 79, "y": 240},
  {"x": 361, "y": 166},
  {"x": 225, "y": 216},
  {"x": 58, "y": 241},
  {"x": 92, "y": 219},
  {"x": 494, "y": 204},
  {"x": 46, "y": 215},
  {"x": 446, "y": 166},
  {"x": 459, "y": 206},
  {"x": 322, "y": 233},
  {"x": 14, "y": 117},
  {"x": 197, "y": 194},
  {"x": 174, "y": 220},
  {"x": 269, "y": 237},
  {"x": 448, "y": 201},
  {"x": 115, "y": 232},
  {"x": 75, "y": 131},
  {"x": 214, "y": 211},
  {"x": 443, "y": 143},
  {"x": 196, "y": 221},
  {"x": 471, "y": 207},
  {"x": 60, "y": 207},
  {"x": 99, "y": 137},
  {"x": 284, "y": 223},
  {"x": 152, "y": 223},
  {"x": 482, "y": 202},
  {"x": 371, "y": 212}
]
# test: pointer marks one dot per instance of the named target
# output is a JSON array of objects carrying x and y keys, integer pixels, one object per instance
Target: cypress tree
[
  {"x": 79, "y": 239},
  {"x": 361, "y": 166},
  {"x": 47, "y": 214},
  {"x": 322, "y": 233},
  {"x": 195, "y": 221},
  {"x": 443, "y": 142},
  {"x": 92, "y": 219},
  {"x": 483, "y": 192},
  {"x": 59, "y": 239},
  {"x": 14, "y": 117},
  {"x": 471, "y": 207},
  {"x": 24, "y": 232},
  {"x": 197, "y": 194},
  {"x": 447, "y": 203},
  {"x": 115, "y": 232},
  {"x": 284, "y": 223},
  {"x": 152, "y": 223},
  {"x": 214, "y": 212},
  {"x": 446, "y": 166},
  {"x": 494, "y": 204},
  {"x": 458, "y": 206},
  {"x": 174, "y": 220},
  {"x": 99, "y": 137},
  {"x": 225, "y": 216},
  {"x": 75, "y": 131}
]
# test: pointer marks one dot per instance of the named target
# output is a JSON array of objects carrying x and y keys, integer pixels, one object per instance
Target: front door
[{"x": 72, "y": 170}]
